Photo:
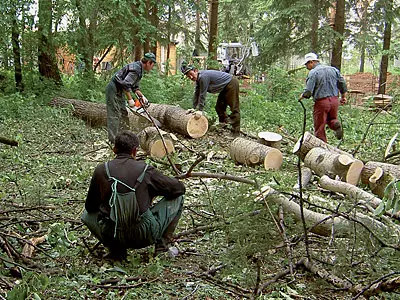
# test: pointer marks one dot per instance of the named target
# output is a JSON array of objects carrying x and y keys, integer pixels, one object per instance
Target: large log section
[
  {"x": 178, "y": 120},
  {"x": 251, "y": 153},
  {"x": 153, "y": 144},
  {"x": 172, "y": 117},
  {"x": 324, "y": 162},
  {"x": 378, "y": 175},
  {"x": 310, "y": 141}
]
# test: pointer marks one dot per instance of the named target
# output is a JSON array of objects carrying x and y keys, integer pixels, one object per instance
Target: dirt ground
[{"x": 361, "y": 85}]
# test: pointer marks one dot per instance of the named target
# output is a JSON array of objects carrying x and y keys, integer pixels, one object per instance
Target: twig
[
  {"x": 128, "y": 286},
  {"x": 18, "y": 265},
  {"x": 218, "y": 176},
  {"x": 364, "y": 290}
]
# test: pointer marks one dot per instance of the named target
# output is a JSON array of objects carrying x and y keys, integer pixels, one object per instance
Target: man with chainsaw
[
  {"x": 323, "y": 84},
  {"x": 125, "y": 82},
  {"x": 213, "y": 81},
  {"x": 118, "y": 208}
]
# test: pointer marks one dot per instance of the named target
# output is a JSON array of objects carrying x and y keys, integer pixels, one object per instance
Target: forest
[{"x": 275, "y": 213}]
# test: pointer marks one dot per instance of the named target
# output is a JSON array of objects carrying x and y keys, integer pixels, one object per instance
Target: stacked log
[
  {"x": 152, "y": 143},
  {"x": 251, "y": 153}
]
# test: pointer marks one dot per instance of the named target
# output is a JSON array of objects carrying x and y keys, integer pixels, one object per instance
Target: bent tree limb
[{"x": 7, "y": 141}]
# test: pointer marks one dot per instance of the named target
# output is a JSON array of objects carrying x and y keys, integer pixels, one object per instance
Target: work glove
[
  {"x": 190, "y": 111},
  {"x": 131, "y": 103},
  {"x": 145, "y": 102}
]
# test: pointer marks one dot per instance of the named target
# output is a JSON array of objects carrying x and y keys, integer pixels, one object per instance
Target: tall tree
[
  {"x": 387, "y": 34},
  {"x": 46, "y": 52},
  {"x": 336, "y": 60},
  {"x": 15, "y": 37},
  {"x": 212, "y": 39}
]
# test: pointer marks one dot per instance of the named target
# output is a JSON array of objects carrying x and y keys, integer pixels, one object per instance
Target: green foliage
[
  {"x": 391, "y": 200},
  {"x": 32, "y": 286}
]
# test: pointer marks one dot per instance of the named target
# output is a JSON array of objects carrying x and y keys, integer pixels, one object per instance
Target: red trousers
[{"x": 325, "y": 112}]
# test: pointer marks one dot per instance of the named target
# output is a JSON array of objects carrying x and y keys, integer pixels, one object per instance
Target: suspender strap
[{"x": 138, "y": 181}]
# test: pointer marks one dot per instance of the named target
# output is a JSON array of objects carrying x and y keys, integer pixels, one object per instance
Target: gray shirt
[
  {"x": 324, "y": 81},
  {"x": 209, "y": 81},
  {"x": 129, "y": 76}
]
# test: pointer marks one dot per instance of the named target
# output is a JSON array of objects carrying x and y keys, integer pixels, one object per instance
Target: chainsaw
[{"x": 141, "y": 103}]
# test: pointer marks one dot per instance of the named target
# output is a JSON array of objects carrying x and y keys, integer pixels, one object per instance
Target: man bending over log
[
  {"x": 123, "y": 82},
  {"x": 216, "y": 82},
  {"x": 118, "y": 208}
]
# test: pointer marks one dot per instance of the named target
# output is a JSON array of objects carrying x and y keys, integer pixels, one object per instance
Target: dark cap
[
  {"x": 150, "y": 56},
  {"x": 186, "y": 68}
]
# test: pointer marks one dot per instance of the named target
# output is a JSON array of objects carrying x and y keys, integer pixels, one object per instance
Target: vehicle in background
[{"x": 233, "y": 57}]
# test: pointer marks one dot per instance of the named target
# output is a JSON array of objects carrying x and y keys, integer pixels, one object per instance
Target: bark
[
  {"x": 319, "y": 223},
  {"x": 251, "y": 153},
  {"x": 212, "y": 39},
  {"x": 46, "y": 53},
  {"x": 153, "y": 144},
  {"x": 339, "y": 28},
  {"x": 15, "y": 35},
  {"x": 178, "y": 120},
  {"x": 378, "y": 175},
  {"x": 310, "y": 141},
  {"x": 95, "y": 114},
  {"x": 6, "y": 141},
  {"x": 324, "y": 162},
  {"x": 387, "y": 34}
]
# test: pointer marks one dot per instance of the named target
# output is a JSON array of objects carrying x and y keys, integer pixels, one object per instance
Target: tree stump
[
  {"x": 152, "y": 143},
  {"x": 178, "y": 120},
  {"x": 324, "y": 162},
  {"x": 270, "y": 139},
  {"x": 251, "y": 153},
  {"x": 310, "y": 141}
]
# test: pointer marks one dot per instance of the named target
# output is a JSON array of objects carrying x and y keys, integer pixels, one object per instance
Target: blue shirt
[
  {"x": 324, "y": 81},
  {"x": 209, "y": 81},
  {"x": 129, "y": 76}
]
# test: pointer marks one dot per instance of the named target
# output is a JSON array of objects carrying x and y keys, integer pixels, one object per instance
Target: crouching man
[{"x": 118, "y": 208}]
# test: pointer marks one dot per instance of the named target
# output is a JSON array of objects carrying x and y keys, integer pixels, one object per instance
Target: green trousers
[
  {"x": 156, "y": 223},
  {"x": 117, "y": 115}
]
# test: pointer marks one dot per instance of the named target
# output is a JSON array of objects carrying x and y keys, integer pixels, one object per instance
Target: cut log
[
  {"x": 7, "y": 141},
  {"x": 270, "y": 139},
  {"x": 306, "y": 176},
  {"x": 178, "y": 120},
  {"x": 319, "y": 223},
  {"x": 153, "y": 144},
  {"x": 310, "y": 141},
  {"x": 324, "y": 162},
  {"x": 95, "y": 114},
  {"x": 382, "y": 101},
  {"x": 251, "y": 153}
]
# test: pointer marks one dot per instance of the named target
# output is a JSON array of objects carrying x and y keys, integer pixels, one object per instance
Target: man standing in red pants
[{"x": 323, "y": 84}]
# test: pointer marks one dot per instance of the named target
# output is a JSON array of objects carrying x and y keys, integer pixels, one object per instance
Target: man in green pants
[
  {"x": 124, "y": 82},
  {"x": 135, "y": 223}
]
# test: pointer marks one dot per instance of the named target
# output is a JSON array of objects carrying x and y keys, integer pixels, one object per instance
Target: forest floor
[{"x": 229, "y": 243}]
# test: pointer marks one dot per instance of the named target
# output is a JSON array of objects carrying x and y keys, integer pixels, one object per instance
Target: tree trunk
[
  {"x": 339, "y": 28},
  {"x": 387, "y": 35},
  {"x": 95, "y": 114},
  {"x": 15, "y": 33},
  {"x": 153, "y": 144},
  {"x": 197, "y": 36},
  {"x": 251, "y": 153},
  {"x": 314, "y": 26},
  {"x": 46, "y": 53},
  {"x": 363, "y": 32},
  {"x": 178, "y": 120},
  {"x": 310, "y": 141},
  {"x": 212, "y": 39}
]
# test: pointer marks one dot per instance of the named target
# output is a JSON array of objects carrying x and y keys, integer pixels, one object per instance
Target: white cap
[{"x": 310, "y": 56}]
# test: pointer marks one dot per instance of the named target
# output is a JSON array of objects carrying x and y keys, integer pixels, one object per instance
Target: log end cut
[
  {"x": 197, "y": 127},
  {"x": 157, "y": 148},
  {"x": 273, "y": 159},
  {"x": 354, "y": 173}
]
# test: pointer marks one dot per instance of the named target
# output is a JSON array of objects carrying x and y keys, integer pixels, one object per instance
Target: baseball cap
[
  {"x": 150, "y": 56},
  {"x": 186, "y": 68},
  {"x": 310, "y": 56}
]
